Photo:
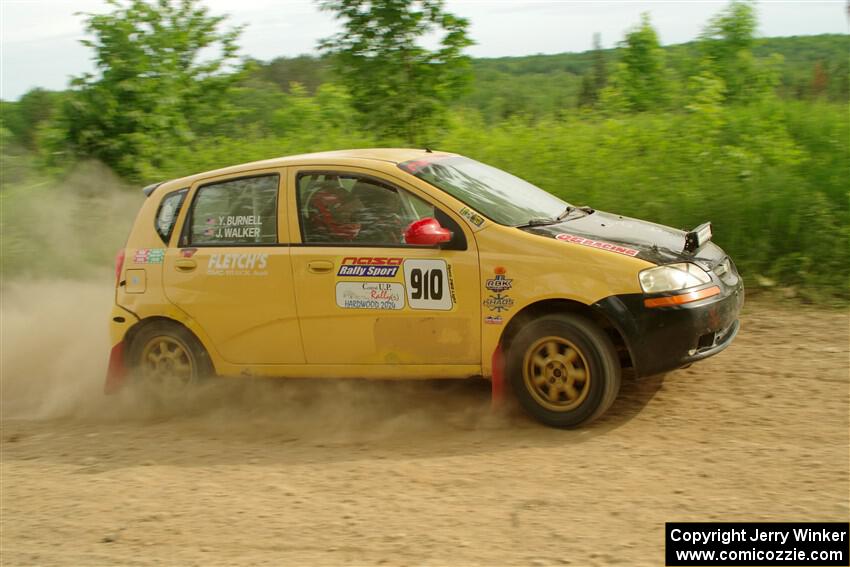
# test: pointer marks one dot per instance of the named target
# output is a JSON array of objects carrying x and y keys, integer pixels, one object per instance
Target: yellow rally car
[{"x": 404, "y": 263}]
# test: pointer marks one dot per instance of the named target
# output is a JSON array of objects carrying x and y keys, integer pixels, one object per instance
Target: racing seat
[
  {"x": 329, "y": 214},
  {"x": 380, "y": 216}
]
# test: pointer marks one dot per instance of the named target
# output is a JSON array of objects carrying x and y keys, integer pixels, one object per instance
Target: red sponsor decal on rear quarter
[{"x": 597, "y": 244}]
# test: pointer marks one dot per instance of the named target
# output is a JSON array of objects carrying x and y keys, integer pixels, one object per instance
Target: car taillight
[{"x": 119, "y": 265}]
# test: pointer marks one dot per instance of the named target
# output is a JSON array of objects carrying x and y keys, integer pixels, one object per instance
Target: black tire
[
  {"x": 182, "y": 347},
  {"x": 548, "y": 384}
]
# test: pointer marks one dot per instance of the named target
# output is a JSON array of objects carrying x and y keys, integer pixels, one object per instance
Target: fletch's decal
[
  {"x": 493, "y": 320},
  {"x": 369, "y": 267},
  {"x": 370, "y": 295},
  {"x": 237, "y": 264},
  {"x": 428, "y": 285},
  {"x": 472, "y": 216},
  {"x": 149, "y": 256},
  {"x": 597, "y": 244}
]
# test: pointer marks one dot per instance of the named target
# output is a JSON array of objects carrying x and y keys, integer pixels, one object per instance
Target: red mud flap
[
  {"x": 116, "y": 371},
  {"x": 497, "y": 382}
]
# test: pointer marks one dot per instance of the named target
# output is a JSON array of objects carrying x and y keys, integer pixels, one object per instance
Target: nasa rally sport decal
[
  {"x": 428, "y": 284},
  {"x": 369, "y": 267}
]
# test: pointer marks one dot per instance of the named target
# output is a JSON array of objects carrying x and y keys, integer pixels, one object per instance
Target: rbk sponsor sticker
[
  {"x": 500, "y": 282},
  {"x": 369, "y": 267}
]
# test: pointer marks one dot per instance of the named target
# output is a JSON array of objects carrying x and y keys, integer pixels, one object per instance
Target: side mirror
[{"x": 427, "y": 232}]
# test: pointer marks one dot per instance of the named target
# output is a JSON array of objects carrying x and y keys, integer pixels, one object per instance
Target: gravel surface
[{"x": 280, "y": 472}]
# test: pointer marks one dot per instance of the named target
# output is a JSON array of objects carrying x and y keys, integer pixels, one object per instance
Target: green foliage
[
  {"x": 33, "y": 109},
  {"x": 400, "y": 87},
  {"x": 594, "y": 81},
  {"x": 725, "y": 131},
  {"x": 727, "y": 45},
  {"x": 773, "y": 179},
  {"x": 640, "y": 81},
  {"x": 308, "y": 71},
  {"x": 164, "y": 69}
]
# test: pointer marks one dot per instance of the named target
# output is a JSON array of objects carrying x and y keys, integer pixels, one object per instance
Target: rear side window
[
  {"x": 236, "y": 212},
  {"x": 169, "y": 208}
]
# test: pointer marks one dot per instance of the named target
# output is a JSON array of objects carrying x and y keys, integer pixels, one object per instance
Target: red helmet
[{"x": 330, "y": 211}]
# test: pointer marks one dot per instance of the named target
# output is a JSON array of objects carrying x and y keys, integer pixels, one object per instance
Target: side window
[
  {"x": 345, "y": 208},
  {"x": 166, "y": 216},
  {"x": 240, "y": 211}
]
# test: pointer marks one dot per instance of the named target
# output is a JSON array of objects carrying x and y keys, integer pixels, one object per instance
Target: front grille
[{"x": 706, "y": 341}]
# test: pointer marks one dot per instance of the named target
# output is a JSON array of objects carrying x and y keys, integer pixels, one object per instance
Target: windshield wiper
[
  {"x": 541, "y": 221},
  {"x": 570, "y": 208}
]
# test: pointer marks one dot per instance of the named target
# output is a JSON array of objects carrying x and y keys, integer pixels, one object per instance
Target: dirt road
[{"x": 293, "y": 473}]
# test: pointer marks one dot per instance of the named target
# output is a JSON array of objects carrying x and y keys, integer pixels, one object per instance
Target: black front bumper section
[{"x": 660, "y": 339}]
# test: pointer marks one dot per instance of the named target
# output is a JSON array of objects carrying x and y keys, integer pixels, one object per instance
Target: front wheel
[{"x": 564, "y": 370}]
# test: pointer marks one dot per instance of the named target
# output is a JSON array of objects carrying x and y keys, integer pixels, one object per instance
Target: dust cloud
[
  {"x": 59, "y": 239},
  {"x": 59, "y": 243},
  {"x": 55, "y": 347}
]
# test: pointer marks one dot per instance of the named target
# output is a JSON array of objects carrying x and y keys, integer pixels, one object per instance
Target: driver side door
[{"x": 364, "y": 295}]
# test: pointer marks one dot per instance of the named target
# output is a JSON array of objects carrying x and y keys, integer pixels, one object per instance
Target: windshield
[{"x": 498, "y": 195}]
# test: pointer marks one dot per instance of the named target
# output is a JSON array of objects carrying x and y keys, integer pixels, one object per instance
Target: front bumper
[{"x": 660, "y": 339}]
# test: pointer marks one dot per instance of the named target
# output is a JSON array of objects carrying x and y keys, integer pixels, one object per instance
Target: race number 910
[{"x": 427, "y": 283}]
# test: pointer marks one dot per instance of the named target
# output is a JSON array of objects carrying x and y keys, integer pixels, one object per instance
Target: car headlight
[{"x": 672, "y": 277}]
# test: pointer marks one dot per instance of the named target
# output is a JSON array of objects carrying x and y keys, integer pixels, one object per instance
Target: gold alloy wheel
[
  {"x": 556, "y": 374},
  {"x": 167, "y": 359}
]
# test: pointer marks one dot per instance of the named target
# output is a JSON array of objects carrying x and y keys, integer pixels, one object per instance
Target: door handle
[
  {"x": 185, "y": 265},
  {"x": 320, "y": 267}
]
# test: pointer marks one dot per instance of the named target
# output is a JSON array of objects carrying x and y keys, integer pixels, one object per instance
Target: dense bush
[{"x": 728, "y": 130}]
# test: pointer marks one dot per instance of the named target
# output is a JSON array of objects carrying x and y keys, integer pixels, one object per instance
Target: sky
[{"x": 40, "y": 39}]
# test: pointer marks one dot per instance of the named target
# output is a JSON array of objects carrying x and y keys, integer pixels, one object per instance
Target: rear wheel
[
  {"x": 564, "y": 370},
  {"x": 168, "y": 357}
]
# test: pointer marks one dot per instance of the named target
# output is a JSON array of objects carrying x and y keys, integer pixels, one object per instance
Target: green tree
[
  {"x": 308, "y": 71},
  {"x": 640, "y": 80},
  {"x": 727, "y": 44},
  {"x": 164, "y": 68},
  {"x": 24, "y": 117},
  {"x": 594, "y": 81},
  {"x": 399, "y": 87}
]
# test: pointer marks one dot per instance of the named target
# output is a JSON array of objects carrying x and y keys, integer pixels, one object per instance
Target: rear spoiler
[
  {"x": 151, "y": 188},
  {"x": 697, "y": 237}
]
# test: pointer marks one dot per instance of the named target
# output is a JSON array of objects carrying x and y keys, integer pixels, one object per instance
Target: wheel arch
[
  {"x": 560, "y": 305},
  {"x": 133, "y": 331}
]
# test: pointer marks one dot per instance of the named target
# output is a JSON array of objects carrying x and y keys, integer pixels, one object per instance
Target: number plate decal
[{"x": 427, "y": 284}]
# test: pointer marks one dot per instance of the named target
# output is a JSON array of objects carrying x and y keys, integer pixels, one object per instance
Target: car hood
[{"x": 648, "y": 241}]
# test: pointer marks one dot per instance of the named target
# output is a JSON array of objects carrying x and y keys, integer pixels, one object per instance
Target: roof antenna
[{"x": 429, "y": 150}]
